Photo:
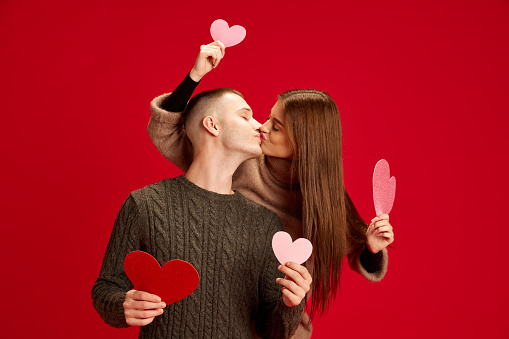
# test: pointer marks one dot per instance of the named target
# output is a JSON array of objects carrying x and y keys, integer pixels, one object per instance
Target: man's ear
[{"x": 210, "y": 124}]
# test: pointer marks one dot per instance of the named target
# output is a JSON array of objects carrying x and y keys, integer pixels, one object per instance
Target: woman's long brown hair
[{"x": 330, "y": 220}]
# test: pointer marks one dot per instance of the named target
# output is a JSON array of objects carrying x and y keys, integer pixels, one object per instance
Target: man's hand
[
  {"x": 296, "y": 283},
  {"x": 209, "y": 57},
  {"x": 140, "y": 308},
  {"x": 379, "y": 234}
]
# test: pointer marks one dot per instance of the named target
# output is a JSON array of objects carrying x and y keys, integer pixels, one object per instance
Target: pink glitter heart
[
  {"x": 229, "y": 36},
  {"x": 384, "y": 188},
  {"x": 285, "y": 250}
]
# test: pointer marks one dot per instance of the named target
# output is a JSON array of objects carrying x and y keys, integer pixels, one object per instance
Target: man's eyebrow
[{"x": 245, "y": 108}]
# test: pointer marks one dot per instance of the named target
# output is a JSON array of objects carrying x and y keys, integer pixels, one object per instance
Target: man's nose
[{"x": 256, "y": 124}]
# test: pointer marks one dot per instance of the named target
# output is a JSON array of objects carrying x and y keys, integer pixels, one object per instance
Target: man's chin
[{"x": 258, "y": 152}]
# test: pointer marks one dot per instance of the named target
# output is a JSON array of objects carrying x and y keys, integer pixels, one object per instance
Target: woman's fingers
[
  {"x": 206, "y": 53},
  {"x": 219, "y": 56},
  {"x": 208, "y": 58},
  {"x": 382, "y": 229},
  {"x": 220, "y": 45},
  {"x": 381, "y": 223}
]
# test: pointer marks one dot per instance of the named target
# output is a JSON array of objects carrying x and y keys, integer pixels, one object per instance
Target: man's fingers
[
  {"x": 292, "y": 287},
  {"x": 295, "y": 278},
  {"x": 145, "y": 296},
  {"x": 301, "y": 269},
  {"x": 143, "y": 314},
  {"x": 146, "y": 305},
  {"x": 292, "y": 299},
  {"x": 138, "y": 322}
]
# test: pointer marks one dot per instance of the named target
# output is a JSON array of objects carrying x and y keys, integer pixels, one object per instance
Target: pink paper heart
[
  {"x": 384, "y": 188},
  {"x": 285, "y": 250},
  {"x": 229, "y": 36}
]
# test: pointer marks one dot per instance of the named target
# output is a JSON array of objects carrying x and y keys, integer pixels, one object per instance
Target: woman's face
[{"x": 274, "y": 136}]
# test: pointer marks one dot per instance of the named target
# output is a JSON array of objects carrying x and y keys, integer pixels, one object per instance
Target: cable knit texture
[
  {"x": 227, "y": 238},
  {"x": 264, "y": 180}
]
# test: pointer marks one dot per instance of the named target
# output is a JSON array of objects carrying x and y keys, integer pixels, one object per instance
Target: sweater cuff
[
  {"x": 372, "y": 262},
  {"x": 111, "y": 310},
  {"x": 354, "y": 260},
  {"x": 177, "y": 101},
  {"x": 291, "y": 316}
]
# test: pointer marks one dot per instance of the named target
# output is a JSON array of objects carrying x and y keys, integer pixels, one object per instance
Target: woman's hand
[
  {"x": 209, "y": 57},
  {"x": 296, "y": 283},
  {"x": 379, "y": 234},
  {"x": 140, "y": 308}
]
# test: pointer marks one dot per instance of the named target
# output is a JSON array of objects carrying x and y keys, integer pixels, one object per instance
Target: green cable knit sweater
[{"x": 227, "y": 238}]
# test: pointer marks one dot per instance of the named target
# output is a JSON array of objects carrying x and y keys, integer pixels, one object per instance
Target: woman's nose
[{"x": 264, "y": 128}]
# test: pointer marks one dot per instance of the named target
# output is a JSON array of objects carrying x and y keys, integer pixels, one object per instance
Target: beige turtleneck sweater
[{"x": 264, "y": 180}]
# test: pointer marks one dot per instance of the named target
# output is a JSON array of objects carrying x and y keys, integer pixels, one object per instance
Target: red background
[{"x": 420, "y": 84}]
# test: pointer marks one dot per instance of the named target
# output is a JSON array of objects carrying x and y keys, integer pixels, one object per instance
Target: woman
[{"x": 299, "y": 177}]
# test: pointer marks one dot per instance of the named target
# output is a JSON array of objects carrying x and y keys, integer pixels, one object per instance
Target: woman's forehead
[{"x": 277, "y": 111}]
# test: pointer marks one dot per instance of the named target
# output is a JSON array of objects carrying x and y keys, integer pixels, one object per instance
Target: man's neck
[{"x": 213, "y": 173}]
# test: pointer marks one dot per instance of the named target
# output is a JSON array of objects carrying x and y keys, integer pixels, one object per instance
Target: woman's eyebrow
[{"x": 279, "y": 122}]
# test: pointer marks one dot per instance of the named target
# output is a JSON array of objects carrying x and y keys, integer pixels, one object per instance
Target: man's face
[{"x": 239, "y": 128}]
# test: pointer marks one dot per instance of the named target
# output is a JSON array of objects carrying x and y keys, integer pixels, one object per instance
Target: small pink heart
[
  {"x": 384, "y": 188},
  {"x": 229, "y": 36},
  {"x": 285, "y": 250}
]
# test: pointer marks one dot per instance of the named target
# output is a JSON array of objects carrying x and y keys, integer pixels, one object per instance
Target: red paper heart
[{"x": 173, "y": 282}]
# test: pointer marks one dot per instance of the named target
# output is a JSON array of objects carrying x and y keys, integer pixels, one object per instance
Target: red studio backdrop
[{"x": 421, "y": 84}]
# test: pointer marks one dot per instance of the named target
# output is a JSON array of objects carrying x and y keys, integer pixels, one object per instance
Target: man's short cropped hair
[{"x": 205, "y": 103}]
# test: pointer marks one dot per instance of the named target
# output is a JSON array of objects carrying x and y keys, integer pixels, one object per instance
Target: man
[{"x": 226, "y": 237}]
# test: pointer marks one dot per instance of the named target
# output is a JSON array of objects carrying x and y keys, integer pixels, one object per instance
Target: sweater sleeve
[
  {"x": 372, "y": 266},
  {"x": 110, "y": 288},
  {"x": 166, "y": 127},
  {"x": 274, "y": 319},
  {"x": 177, "y": 101}
]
